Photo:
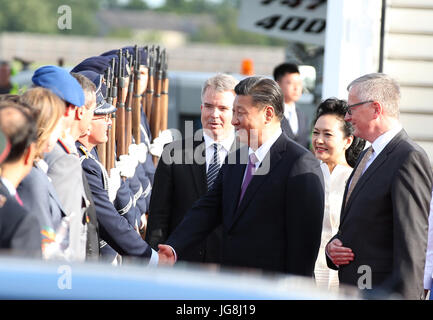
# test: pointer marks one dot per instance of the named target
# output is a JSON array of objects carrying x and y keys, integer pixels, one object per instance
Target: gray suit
[
  {"x": 385, "y": 220},
  {"x": 66, "y": 175},
  {"x": 40, "y": 199}
]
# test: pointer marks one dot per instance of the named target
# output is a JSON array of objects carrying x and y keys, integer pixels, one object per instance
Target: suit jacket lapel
[
  {"x": 376, "y": 164},
  {"x": 273, "y": 157},
  {"x": 198, "y": 170}
]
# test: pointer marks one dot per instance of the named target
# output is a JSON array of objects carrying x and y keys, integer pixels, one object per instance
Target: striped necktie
[{"x": 214, "y": 166}]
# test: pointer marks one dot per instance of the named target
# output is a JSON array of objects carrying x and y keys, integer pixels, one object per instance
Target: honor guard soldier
[
  {"x": 114, "y": 229},
  {"x": 131, "y": 166}
]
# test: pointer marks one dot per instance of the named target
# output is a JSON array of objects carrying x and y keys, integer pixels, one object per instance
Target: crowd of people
[{"x": 345, "y": 200}]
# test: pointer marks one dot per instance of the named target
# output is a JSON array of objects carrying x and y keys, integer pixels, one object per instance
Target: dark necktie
[
  {"x": 251, "y": 168},
  {"x": 358, "y": 172},
  {"x": 214, "y": 166}
]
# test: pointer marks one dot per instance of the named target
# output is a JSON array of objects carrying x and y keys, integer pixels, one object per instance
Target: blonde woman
[{"x": 36, "y": 191}]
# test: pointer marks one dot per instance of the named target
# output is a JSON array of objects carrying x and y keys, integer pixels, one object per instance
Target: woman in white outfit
[{"x": 334, "y": 144}]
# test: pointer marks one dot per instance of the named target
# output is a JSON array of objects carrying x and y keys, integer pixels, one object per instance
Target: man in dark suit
[
  {"x": 19, "y": 228},
  {"x": 294, "y": 123},
  {"x": 178, "y": 184},
  {"x": 382, "y": 239},
  {"x": 271, "y": 209}
]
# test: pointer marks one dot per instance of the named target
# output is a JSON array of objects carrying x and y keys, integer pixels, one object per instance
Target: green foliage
[
  {"x": 35, "y": 16},
  {"x": 136, "y": 5},
  {"x": 41, "y": 16}
]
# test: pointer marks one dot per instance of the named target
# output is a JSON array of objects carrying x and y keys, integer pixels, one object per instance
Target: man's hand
[
  {"x": 338, "y": 254},
  {"x": 166, "y": 255}
]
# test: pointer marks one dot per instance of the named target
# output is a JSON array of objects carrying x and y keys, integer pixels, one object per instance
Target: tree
[
  {"x": 136, "y": 5},
  {"x": 41, "y": 16}
]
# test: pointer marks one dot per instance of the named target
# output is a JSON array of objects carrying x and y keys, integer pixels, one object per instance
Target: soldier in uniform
[
  {"x": 137, "y": 181},
  {"x": 115, "y": 230}
]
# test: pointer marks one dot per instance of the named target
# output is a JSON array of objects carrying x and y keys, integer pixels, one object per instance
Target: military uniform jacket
[{"x": 113, "y": 228}]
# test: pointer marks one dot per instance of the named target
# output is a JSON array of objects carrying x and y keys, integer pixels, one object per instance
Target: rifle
[
  {"x": 120, "y": 113},
  {"x": 144, "y": 94},
  {"x": 112, "y": 99},
  {"x": 136, "y": 112},
  {"x": 156, "y": 110},
  {"x": 128, "y": 105},
  {"x": 164, "y": 93},
  {"x": 102, "y": 148},
  {"x": 150, "y": 84}
]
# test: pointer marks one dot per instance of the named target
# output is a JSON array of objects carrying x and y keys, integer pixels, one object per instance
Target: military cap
[
  {"x": 102, "y": 106},
  {"x": 61, "y": 83},
  {"x": 97, "y": 64},
  {"x": 143, "y": 55}
]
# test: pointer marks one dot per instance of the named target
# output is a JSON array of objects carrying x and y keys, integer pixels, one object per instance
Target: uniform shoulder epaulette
[{"x": 84, "y": 150}]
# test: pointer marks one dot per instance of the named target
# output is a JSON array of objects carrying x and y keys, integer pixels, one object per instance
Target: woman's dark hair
[{"x": 338, "y": 108}]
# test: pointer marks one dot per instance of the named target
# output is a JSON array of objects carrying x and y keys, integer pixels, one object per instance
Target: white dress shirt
[
  {"x": 263, "y": 150},
  {"x": 292, "y": 117},
  {"x": 9, "y": 186},
  {"x": 381, "y": 142},
  {"x": 226, "y": 145}
]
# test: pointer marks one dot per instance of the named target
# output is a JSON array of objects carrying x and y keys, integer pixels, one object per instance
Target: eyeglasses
[
  {"x": 106, "y": 117},
  {"x": 349, "y": 108}
]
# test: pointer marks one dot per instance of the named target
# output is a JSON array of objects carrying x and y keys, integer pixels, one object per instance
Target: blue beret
[
  {"x": 97, "y": 64},
  {"x": 60, "y": 82},
  {"x": 102, "y": 107}
]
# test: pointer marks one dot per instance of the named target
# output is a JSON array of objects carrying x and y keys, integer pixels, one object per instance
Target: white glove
[
  {"x": 165, "y": 137},
  {"x": 138, "y": 151},
  {"x": 127, "y": 165},
  {"x": 113, "y": 183},
  {"x": 158, "y": 144},
  {"x": 132, "y": 152},
  {"x": 156, "y": 148},
  {"x": 142, "y": 151}
]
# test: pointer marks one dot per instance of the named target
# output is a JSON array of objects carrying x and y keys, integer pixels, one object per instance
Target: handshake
[{"x": 166, "y": 255}]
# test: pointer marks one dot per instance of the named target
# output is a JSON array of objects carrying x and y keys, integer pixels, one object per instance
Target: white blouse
[{"x": 335, "y": 183}]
